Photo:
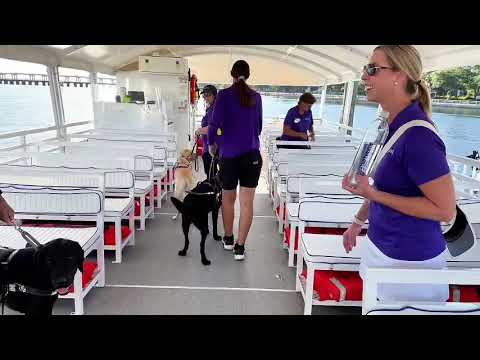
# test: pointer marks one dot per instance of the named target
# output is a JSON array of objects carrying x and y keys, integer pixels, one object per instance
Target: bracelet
[{"x": 358, "y": 221}]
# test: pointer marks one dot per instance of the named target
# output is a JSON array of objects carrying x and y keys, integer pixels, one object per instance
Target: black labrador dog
[
  {"x": 206, "y": 197},
  {"x": 33, "y": 275}
]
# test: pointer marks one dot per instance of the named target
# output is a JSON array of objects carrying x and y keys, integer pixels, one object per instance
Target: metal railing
[
  {"x": 22, "y": 136},
  {"x": 36, "y": 79}
]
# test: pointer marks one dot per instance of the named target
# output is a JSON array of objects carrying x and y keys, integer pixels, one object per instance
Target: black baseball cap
[{"x": 209, "y": 89}]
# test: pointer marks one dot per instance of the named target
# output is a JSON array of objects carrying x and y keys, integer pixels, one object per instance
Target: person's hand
[
  {"x": 312, "y": 137},
  {"x": 7, "y": 214},
  {"x": 305, "y": 136},
  {"x": 350, "y": 237},
  {"x": 362, "y": 188},
  {"x": 212, "y": 149},
  {"x": 197, "y": 132}
]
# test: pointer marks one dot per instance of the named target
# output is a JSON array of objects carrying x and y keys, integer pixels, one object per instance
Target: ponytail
[
  {"x": 241, "y": 72},
  {"x": 425, "y": 98},
  {"x": 244, "y": 93}
]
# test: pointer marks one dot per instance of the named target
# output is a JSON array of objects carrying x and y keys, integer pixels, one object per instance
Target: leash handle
[{"x": 27, "y": 236}]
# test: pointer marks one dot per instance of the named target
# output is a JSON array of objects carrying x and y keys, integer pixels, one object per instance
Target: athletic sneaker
[
  {"x": 239, "y": 252},
  {"x": 228, "y": 242}
]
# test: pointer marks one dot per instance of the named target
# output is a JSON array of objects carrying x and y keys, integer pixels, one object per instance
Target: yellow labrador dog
[{"x": 184, "y": 179}]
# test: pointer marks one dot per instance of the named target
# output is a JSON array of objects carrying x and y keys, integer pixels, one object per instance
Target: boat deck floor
[{"x": 153, "y": 280}]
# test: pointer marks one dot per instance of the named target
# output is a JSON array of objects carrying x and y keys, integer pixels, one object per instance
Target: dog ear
[{"x": 177, "y": 203}]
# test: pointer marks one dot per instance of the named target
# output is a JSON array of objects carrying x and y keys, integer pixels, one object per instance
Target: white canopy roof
[{"x": 311, "y": 65}]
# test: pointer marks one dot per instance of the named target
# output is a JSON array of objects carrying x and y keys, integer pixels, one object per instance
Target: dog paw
[
  {"x": 206, "y": 262},
  {"x": 217, "y": 237},
  {"x": 182, "y": 253}
]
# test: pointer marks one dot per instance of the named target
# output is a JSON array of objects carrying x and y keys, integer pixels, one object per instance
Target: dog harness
[{"x": 6, "y": 255}]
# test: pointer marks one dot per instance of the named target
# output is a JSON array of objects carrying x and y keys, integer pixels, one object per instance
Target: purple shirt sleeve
[
  {"x": 216, "y": 119},
  {"x": 425, "y": 156},
  {"x": 289, "y": 118}
]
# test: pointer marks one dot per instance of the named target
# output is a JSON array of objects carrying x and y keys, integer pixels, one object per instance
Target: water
[
  {"x": 459, "y": 128},
  {"x": 24, "y": 107}
]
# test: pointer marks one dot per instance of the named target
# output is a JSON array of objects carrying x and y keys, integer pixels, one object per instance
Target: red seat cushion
[
  {"x": 89, "y": 272},
  {"x": 137, "y": 204},
  {"x": 137, "y": 207},
  {"x": 337, "y": 285},
  {"x": 464, "y": 293},
  {"x": 109, "y": 234},
  {"x": 284, "y": 213}
]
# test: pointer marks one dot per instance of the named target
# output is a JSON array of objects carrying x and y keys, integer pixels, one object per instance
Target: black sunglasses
[{"x": 372, "y": 70}]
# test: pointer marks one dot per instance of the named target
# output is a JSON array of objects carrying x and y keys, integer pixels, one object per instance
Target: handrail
[
  {"x": 22, "y": 135},
  {"x": 40, "y": 130}
]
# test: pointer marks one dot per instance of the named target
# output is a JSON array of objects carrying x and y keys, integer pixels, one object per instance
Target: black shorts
[{"x": 245, "y": 169}]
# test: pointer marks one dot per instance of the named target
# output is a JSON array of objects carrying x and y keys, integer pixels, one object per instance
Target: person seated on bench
[{"x": 298, "y": 123}]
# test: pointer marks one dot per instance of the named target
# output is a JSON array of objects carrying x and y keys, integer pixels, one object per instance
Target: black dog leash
[
  {"x": 27, "y": 236},
  {"x": 208, "y": 181},
  {"x": 195, "y": 158}
]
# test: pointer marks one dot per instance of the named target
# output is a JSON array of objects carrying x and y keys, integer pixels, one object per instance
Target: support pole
[{"x": 57, "y": 103}]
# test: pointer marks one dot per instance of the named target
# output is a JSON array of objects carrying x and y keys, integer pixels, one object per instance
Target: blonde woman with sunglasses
[{"x": 413, "y": 190}]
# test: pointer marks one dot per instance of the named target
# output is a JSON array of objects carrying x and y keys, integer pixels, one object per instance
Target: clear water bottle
[{"x": 369, "y": 149}]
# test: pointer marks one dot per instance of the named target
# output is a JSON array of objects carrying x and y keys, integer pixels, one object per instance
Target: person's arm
[
  {"x": 202, "y": 131},
  {"x": 437, "y": 204},
  {"x": 288, "y": 131},
  {"x": 429, "y": 170},
  {"x": 7, "y": 214},
  {"x": 216, "y": 119},
  {"x": 287, "y": 126},
  {"x": 215, "y": 123},
  {"x": 362, "y": 213},
  {"x": 312, "y": 132}
]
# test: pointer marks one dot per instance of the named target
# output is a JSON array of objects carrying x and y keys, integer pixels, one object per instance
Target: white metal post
[
  {"x": 347, "y": 102},
  {"x": 93, "y": 85},
  {"x": 322, "y": 104},
  {"x": 57, "y": 103}
]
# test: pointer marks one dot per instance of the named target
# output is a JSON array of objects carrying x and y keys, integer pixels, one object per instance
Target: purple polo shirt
[
  {"x": 205, "y": 122},
  {"x": 417, "y": 157},
  {"x": 297, "y": 122},
  {"x": 240, "y": 126}
]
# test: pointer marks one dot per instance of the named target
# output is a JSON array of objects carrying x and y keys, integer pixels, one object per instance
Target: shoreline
[{"x": 472, "y": 108}]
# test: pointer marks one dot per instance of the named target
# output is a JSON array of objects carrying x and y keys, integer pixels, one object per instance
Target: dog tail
[{"x": 177, "y": 203}]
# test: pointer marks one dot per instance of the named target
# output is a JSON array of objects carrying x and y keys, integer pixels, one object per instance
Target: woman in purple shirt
[
  {"x": 209, "y": 93},
  {"x": 413, "y": 190},
  {"x": 298, "y": 123},
  {"x": 237, "y": 121}
]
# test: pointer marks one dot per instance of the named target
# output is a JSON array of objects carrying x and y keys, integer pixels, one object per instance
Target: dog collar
[
  {"x": 195, "y": 193},
  {"x": 29, "y": 290}
]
